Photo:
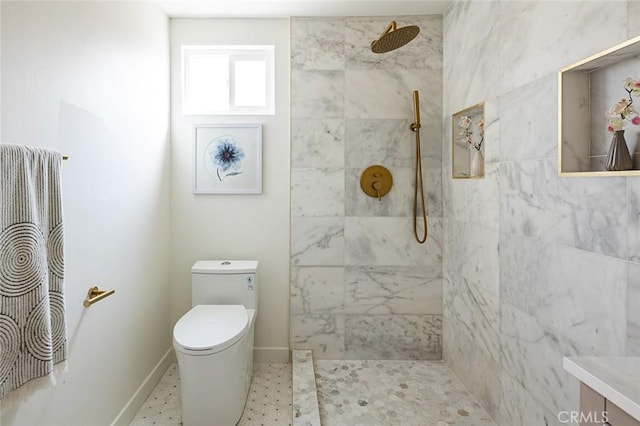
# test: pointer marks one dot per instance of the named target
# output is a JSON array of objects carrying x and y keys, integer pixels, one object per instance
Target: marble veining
[
  {"x": 548, "y": 282},
  {"x": 317, "y": 290},
  {"x": 533, "y": 353},
  {"x": 390, "y": 241},
  {"x": 318, "y": 143},
  {"x": 521, "y": 137},
  {"x": 380, "y": 290},
  {"x": 392, "y": 97},
  {"x": 317, "y": 44},
  {"x": 317, "y": 241},
  {"x": 586, "y": 213},
  {"x": 322, "y": 96},
  {"x": 478, "y": 370},
  {"x": 317, "y": 192}
]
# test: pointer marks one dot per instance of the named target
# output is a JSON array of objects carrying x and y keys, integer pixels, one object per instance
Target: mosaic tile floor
[
  {"x": 407, "y": 393},
  {"x": 268, "y": 403}
]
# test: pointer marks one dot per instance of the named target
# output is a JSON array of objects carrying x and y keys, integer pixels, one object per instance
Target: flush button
[{"x": 250, "y": 283}]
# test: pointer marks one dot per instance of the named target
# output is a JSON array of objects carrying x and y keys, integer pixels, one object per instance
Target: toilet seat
[{"x": 208, "y": 329}]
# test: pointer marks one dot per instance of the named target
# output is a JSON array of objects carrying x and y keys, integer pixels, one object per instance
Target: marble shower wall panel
[
  {"x": 317, "y": 44},
  {"x": 475, "y": 201},
  {"x": 317, "y": 94},
  {"x": 465, "y": 353},
  {"x": 387, "y": 241},
  {"x": 554, "y": 284},
  {"x": 532, "y": 354},
  {"x": 318, "y": 241},
  {"x": 521, "y": 113},
  {"x": 317, "y": 192},
  {"x": 544, "y": 36},
  {"x": 518, "y": 407},
  {"x": 587, "y": 213},
  {"x": 633, "y": 307},
  {"x": 633, "y": 227},
  {"x": 386, "y": 290},
  {"x": 359, "y": 280},
  {"x": 388, "y": 94},
  {"x": 319, "y": 143},
  {"x": 474, "y": 256},
  {"x": 568, "y": 247}
]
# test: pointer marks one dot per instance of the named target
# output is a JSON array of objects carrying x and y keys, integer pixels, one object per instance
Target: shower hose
[{"x": 419, "y": 184}]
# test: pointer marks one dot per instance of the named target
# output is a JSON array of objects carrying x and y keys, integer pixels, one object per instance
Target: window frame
[{"x": 233, "y": 53}]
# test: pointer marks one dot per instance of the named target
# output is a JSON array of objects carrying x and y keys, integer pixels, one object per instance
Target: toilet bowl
[{"x": 214, "y": 343}]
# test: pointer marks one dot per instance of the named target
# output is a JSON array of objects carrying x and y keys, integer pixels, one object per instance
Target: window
[{"x": 228, "y": 80}]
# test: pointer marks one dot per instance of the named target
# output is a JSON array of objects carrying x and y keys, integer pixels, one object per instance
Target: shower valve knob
[{"x": 376, "y": 181}]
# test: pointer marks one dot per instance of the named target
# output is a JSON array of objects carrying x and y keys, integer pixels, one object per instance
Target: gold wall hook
[
  {"x": 95, "y": 295},
  {"x": 376, "y": 181}
]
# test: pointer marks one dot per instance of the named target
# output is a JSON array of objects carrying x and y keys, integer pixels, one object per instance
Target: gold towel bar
[{"x": 94, "y": 295}]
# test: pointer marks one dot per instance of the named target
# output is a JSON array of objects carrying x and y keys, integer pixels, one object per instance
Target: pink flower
[
  {"x": 636, "y": 120},
  {"x": 610, "y": 129}
]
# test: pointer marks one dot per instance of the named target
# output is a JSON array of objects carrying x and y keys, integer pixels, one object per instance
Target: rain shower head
[{"x": 393, "y": 38}]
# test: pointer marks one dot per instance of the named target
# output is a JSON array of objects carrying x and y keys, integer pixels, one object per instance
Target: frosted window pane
[
  {"x": 250, "y": 83},
  {"x": 208, "y": 83}
]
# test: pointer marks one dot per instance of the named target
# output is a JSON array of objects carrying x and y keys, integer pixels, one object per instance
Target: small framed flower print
[{"x": 227, "y": 159}]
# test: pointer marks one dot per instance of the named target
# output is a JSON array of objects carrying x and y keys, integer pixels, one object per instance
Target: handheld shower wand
[{"x": 418, "y": 183}]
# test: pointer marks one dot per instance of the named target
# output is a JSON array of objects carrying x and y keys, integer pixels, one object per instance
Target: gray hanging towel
[{"x": 32, "y": 315}]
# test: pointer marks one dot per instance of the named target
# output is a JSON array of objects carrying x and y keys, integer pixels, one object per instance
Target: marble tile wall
[
  {"x": 361, "y": 286},
  {"x": 536, "y": 267}
]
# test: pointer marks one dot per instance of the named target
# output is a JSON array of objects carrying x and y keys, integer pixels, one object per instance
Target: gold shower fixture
[{"x": 392, "y": 38}]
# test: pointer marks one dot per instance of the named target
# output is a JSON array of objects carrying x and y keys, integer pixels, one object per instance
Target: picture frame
[{"x": 227, "y": 159}]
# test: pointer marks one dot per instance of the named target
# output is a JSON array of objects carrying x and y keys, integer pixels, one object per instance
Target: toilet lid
[{"x": 211, "y": 328}]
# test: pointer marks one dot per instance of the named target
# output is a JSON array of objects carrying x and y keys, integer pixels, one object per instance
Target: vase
[
  {"x": 476, "y": 167},
  {"x": 618, "y": 157}
]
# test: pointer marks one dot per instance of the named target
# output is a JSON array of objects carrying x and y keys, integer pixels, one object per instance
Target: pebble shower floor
[
  {"x": 268, "y": 403},
  {"x": 350, "y": 393}
]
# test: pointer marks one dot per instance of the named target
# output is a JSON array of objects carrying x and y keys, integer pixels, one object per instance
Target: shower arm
[{"x": 391, "y": 27}]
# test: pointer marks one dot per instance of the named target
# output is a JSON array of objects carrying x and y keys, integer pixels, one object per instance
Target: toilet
[{"x": 214, "y": 342}]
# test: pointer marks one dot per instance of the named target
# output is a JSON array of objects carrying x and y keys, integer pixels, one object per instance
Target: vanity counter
[{"x": 615, "y": 378}]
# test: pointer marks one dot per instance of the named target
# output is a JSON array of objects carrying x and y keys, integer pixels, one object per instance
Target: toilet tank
[{"x": 225, "y": 282}]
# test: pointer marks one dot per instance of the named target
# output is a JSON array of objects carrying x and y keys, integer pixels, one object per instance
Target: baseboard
[
  {"x": 132, "y": 406},
  {"x": 271, "y": 355}
]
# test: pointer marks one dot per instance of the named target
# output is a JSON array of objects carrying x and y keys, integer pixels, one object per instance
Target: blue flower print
[{"x": 227, "y": 156}]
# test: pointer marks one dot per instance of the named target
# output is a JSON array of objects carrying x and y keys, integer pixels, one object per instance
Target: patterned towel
[{"x": 32, "y": 321}]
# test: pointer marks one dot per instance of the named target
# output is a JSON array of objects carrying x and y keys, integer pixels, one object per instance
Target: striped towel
[{"x": 32, "y": 320}]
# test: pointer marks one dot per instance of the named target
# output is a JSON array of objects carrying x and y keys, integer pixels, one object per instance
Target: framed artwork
[{"x": 227, "y": 159}]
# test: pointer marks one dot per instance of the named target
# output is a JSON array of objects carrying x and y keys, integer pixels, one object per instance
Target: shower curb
[{"x": 305, "y": 396}]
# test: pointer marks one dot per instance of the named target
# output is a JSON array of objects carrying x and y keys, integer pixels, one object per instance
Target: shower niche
[
  {"x": 590, "y": 93},
  {"x": 467, "y": 135}
]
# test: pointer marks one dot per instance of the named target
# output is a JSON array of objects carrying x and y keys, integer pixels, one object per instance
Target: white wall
[
  {"x": 235, "y": 226},
  {"x": 91, "y": 80}
]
